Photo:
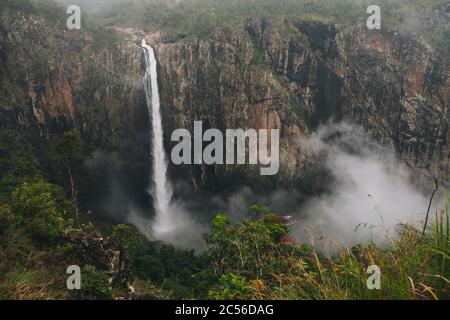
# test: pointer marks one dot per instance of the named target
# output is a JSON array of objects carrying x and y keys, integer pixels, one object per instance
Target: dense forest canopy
[{"x": 202, "y": 17}]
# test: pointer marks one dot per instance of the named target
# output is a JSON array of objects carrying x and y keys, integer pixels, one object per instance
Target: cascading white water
[{"x": 162, "y": 190}]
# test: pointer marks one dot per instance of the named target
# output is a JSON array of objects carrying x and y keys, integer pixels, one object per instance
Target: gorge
[{"x": 208, "y": 149}]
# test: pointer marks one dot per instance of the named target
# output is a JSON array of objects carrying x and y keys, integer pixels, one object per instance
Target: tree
[
  {"x": 95, "y": 284},
  {"x": 17, "y": 161},
  {"x": 67, "y": 156},
  {"x": 42, "y": 209},
  {"x": 231, "y": 287},
  {"x": 126, "y": 237},
  {"x": 254, "y": 249}
]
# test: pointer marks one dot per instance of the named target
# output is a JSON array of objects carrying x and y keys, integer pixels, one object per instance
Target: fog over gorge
[
  {"x": 373, "y": 191},
  {"x": 222, "y": 150}
]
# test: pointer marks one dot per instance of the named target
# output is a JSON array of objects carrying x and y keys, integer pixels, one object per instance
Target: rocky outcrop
[{"x": 94, "y": 252}]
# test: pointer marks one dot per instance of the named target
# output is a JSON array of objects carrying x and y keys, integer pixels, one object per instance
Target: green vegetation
[
  {"x": 256, "y": 260},
  {"x": 202, "y": 17},
  {"x": 22, "y": 5},
  {"x": 95, "y": 284},
  {"x": 36, "y": 218},
  {"x": 44, "y": 8},
  {"x": 41, "y": 210}
]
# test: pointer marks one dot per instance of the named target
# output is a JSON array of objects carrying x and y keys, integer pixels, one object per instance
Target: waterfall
[{"x": 161, "y": 188}]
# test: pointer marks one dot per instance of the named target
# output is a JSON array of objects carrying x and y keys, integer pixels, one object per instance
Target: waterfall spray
[{"x": 161, "y": 188}]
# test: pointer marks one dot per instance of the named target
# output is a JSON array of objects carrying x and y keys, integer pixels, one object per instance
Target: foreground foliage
[{"x": 413, "y": 267}]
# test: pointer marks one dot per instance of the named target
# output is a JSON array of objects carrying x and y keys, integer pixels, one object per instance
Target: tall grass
[{"x": 413, "y": 267}]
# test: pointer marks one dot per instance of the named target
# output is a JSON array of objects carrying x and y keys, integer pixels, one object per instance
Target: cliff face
[
  {"x": 228, "y": 83},
  {"x": 54, "y": 79},
  {"x": 296, "y": 75},
  {"x": 399, "y": 88},
  {"x": 264, "y": 74}
]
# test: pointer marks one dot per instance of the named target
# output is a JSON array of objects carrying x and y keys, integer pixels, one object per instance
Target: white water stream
[{"x": 162, "y": 190}]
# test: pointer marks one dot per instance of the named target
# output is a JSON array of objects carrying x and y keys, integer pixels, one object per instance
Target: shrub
[
  {"x": 231, "y": 287},
  {"x": 94, "y": 284},
  {"x": 253, "y": 249},
  {"x": 42, "y": 209},
  {"x": 126, "y": 237}
]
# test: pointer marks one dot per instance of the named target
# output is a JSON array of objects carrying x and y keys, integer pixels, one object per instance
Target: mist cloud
[
  {"x": 372, "y": 191},
  {"x": 186, "y": 231}
]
